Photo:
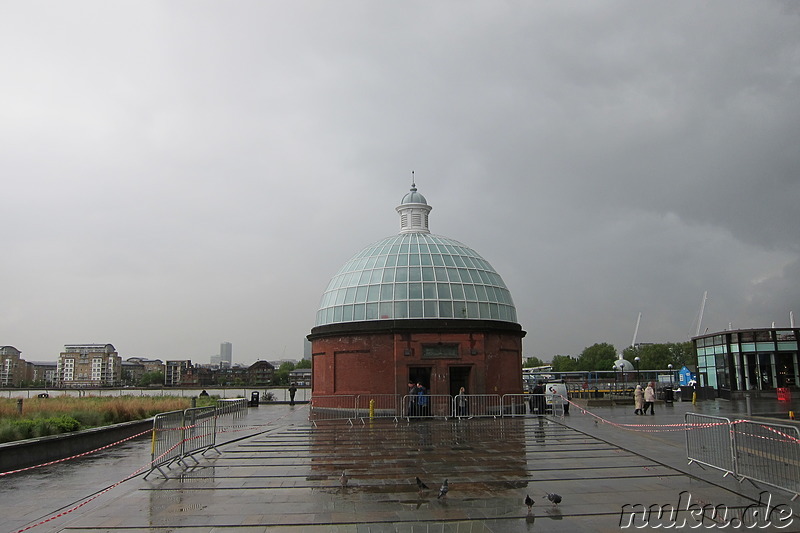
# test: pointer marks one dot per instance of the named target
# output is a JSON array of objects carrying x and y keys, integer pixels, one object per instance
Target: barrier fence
[
  {"x": 354, "y": 407},
  {"x": 708, "y": 441},
  {"x": 768, "y": 453},
  {"x": 181, "y": 434},
  {"x": 757, "y": 451}
]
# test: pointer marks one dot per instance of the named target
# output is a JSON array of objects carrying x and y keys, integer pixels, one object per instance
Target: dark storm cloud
[{"x": 192, "y": 173}]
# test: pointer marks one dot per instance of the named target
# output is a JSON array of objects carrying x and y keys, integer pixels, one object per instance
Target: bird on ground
[
  {"x": 343, "y": 479},
  {"x": 529, "y": 502},
  {"x": 420, "y": 485},
  {"x": 553, "y": 497},
  {"x": 443, "y": 490}
]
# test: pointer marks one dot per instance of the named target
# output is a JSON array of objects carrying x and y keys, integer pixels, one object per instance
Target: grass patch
[{"x": 61, "y": 414}]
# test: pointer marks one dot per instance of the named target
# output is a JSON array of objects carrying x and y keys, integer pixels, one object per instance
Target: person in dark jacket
[
  {"x": 423, "y": 401},
  {"x": 537, "y": 401}
]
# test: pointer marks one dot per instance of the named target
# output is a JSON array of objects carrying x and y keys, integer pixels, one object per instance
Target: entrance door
[
  {"x": 420, "y": 374},
  {"x": 459, "y": 377}
]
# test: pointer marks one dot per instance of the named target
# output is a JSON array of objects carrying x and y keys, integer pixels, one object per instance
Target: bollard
[
  {"x": 749, "y": 407},
  {"x": 194, "y": 401},
  {"x": 19, "y": 406},
  {"x": 791, "y": 415},
  {"x": 694, "y": 398},
  {"x": 372, "y": 408}
]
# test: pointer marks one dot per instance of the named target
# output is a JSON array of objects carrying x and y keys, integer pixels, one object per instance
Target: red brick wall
[{"x": 378, "y": 363}]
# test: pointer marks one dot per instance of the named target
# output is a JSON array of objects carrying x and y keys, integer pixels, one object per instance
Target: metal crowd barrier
[
  {"x": 379, "y": 406},
  {"x": 332, "y": 407},
  {"x": 515, "y": 404},
  {"x": 200, "y": 431},
  {"x": 232, "y": 406},
  {"x": 478, "y": 405},
  {"x": 351, "y": 407},
  {"x": 758, "y": 451},
  {"x": 709, "y": 442},
  {"x": 181, "y": 434},
  {"x": 167, "y": 441},
  {"x": 429, "y": 405},
  {"x": 768, "y": 453}
]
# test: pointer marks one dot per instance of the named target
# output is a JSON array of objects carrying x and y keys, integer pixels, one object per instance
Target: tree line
[{"x": 601, "y": 356}]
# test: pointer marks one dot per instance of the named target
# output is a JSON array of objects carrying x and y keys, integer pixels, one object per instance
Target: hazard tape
[
  {"x": 120, "y": 482},
  {"x": 84, "y": 454},
  {"x": 684, "y": 426}
]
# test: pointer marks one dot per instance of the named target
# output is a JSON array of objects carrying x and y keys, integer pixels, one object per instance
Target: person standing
[
  {"x": 462, "y": 409},
  {"x": 649, "y": 398},
  {"x": 422, "y": 400},
  {"x": 638, "y": 400},
  {"x": 411, "y": 399},
  {"x": 292, "y": 392},
  {"x": 537, "y": 402}
]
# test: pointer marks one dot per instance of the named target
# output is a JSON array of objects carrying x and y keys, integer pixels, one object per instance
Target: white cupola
[{"x": 413, "y": 210}]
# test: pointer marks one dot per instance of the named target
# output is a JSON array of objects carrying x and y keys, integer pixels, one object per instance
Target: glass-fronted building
[{"x": 747, "y": 360}]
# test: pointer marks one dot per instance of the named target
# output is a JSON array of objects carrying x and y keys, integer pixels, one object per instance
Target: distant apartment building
[
  {"x": 149, "y": 365},
  {"x": 132, "y": 372},
  {"x": 226, "y": 355},
  {"x": 41, "y": 372},
  {"x": 300, "y": 377},
  {"x": 176, "y": 372},
  {"x": 260, "y": 373},
  {"x": 89, "y": 365},
  {"x": 12, "y": 367}
]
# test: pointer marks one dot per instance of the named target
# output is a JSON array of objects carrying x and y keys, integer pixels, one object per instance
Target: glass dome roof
[{"x": 415, "y": 275}]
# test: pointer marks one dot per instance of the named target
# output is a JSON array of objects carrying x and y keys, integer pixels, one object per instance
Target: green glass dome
[{"x": 415, "y": 275}]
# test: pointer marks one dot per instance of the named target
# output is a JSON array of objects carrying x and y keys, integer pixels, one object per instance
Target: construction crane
[
  {"x": 700, "y": 315},
  {"x": 636, "y": 331}
]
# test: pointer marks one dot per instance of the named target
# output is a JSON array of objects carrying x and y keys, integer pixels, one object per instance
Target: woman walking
[
  {"x": 649, "y": 398},
  {"x": 638, "y": 400}
]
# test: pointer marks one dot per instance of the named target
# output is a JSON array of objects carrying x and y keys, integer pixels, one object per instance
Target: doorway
[
  {"x": 459, "y": 377},
  {"x": 420, "y": 374}
]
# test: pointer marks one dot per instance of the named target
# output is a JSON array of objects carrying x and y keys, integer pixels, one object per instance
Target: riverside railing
[
  {"x": 181, "y": 434},
  {"x": 757, "y": 451}
]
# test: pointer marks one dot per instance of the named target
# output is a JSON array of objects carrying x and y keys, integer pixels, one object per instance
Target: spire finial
[{"x": 413, "y": 181}]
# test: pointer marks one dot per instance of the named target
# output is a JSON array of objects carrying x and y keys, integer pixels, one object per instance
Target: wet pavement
[{"x": 276, "y": 471}]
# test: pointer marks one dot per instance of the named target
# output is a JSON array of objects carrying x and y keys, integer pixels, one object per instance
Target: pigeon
[
  {"x": 343, "y": 479},
  {"x": 553, "y": 497},
  {"x": 420, "y": 485},
  {"x": 529, "y": 502},
  {"x": 443, "y": 490}
]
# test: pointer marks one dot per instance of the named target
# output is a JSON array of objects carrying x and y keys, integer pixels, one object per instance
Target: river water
[{"x": 280, "y": 394}]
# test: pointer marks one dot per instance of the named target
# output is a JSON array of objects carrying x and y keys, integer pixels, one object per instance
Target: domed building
[{"x": 416, "y": 307}]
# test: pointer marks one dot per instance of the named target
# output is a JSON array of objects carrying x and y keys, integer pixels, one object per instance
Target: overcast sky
[{"x": 181, "y": 173}]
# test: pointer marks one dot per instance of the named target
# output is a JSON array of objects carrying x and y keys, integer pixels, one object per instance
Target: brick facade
[{"x": 380, "y": 358}]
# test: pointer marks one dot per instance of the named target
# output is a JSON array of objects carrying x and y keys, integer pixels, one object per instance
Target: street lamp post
[
  {"x": 614, "y": 368},
  {"x": 636, "y": 361},
  {"x": 671, "y": 375}
]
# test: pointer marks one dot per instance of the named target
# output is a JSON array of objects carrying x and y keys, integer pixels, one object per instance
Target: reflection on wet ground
[{"x": 287, "y": 476}]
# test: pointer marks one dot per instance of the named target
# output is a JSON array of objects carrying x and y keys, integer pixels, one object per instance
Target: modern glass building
[{"x": 747, "y": 360}]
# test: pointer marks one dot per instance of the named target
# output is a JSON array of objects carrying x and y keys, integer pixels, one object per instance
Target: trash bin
[
  {"x": 669, "y": 395},
  {"x": 254, "y": 399}
]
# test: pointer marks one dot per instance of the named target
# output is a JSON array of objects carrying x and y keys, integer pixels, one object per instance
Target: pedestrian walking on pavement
[
  {"x": 649, "y": 398},
  {"x": 638, "y": 400}
]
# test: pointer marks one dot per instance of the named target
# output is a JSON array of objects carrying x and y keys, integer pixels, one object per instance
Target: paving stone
[{"x": 279, "y": 472}]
